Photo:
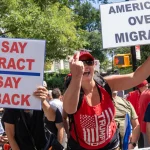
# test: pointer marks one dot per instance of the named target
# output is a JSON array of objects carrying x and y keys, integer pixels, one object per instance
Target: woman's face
[{"x": 88, "y": 68}]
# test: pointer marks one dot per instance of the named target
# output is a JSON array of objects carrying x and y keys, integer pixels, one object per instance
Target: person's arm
[
  {"x": 66, "y": 123},
  {"x": 10, "y": 131},
  {"x": 48, "y": 111},
  {"x": 42, "y": 93},
  {"x": 123, "y": 82},
  {"x": 59, "y": 126},
  {"x": 135, "y": 132},
  {"x": 71, "y": 95},
  {"x": 60, "y": 133},
  {"x": 135, "y": 127}
]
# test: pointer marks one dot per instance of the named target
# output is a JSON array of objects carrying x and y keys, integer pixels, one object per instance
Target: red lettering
[
  {"x": 8, "y": 83},
  {"x": 22, "y": 46},
  {"x": 18, "y": 64},
  {"x": 2, "y": 62},
  {"x": 6, "y": 99},
  {"x": 11, "y": 64},
  {"x": 16, "y": 81},
  {"x": 11, "y": 82},
  {"x": 1, "y": 81},
  {"x": 17, "y": 47},
  {"x": 14, "y": 48},
  {"x": 5, "y": 46},
  {"x": 24, "y": 99},
  {"x": 13, "y": 99},
  {"x": 30, "y": 61}
]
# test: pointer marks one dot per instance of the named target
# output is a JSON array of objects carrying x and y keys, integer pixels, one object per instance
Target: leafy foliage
[
  {"x": 90, "y": 18},
  {"x": 145, "y": 52},
  {"x": 55, "y": 24},
  {"x": 65, "y": 25},
  {"x": 55, "y": 80},
  {"x": 95, "y": 44},
  {"x": 90, "y": 21}
]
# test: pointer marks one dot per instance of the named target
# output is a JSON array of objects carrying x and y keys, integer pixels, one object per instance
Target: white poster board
[
  {"x": 21, "y": 72},
  {"x": 125, "y": 23}
]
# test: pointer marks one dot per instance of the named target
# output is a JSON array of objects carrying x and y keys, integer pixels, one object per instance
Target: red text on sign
[
  {"x": 16, "y": 47},
  {"x": 9, "y": 82},
  {"x": 15, "y": 99},
  {"x": 19, "y": 64}
]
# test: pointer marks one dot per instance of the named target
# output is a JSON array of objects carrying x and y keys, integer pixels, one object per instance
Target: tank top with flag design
[{"x": 95, "y": 125}]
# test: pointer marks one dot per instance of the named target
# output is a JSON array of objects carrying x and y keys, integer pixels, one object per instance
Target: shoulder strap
[
  {"x": 100, "y": 80},
  {"x": 30, "y": 135}
]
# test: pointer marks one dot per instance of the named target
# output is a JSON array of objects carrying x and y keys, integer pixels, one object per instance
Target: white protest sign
[
  {"x": 125, "y": 23},
  {"x": 21, "y": 72}
]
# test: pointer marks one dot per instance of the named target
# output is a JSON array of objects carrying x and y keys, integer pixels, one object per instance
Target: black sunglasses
[{"x": 88, "y": 62}]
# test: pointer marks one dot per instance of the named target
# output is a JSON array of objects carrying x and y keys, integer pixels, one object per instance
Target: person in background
[
  {"x": 147, "y": 121},
  {"x": 122, "y": 107},
  {"x": 56, "y": 126},
  {"x": 56, "y": 102},
  {"x": 16, "y": 130},
  {"x": 134, "y": 97},
  {"x": 143, "y": 102}
]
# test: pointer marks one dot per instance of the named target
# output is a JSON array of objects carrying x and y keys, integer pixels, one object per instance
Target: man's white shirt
[{"x": 56, "y": 103}]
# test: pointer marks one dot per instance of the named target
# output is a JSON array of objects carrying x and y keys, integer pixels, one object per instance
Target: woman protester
[{"x": 93, "y": 124}]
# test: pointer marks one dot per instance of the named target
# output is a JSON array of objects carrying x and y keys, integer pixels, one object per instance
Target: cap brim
[{"x": 88, "y": 56}]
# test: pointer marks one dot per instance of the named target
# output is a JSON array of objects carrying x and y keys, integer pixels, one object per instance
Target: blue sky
[{"x": 112, "y": 1}]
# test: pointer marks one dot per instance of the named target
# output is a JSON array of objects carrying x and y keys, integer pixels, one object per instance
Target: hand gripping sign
[{"x": 21, "y": 71}]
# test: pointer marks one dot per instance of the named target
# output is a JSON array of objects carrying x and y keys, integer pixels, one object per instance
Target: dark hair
[{"x": 56, "y": 93}]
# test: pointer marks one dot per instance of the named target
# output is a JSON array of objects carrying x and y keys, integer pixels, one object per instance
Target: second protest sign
[{"x": 21, "y": 72}]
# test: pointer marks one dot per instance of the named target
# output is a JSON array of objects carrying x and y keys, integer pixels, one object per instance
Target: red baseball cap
[
  {"x": 85, "y": 53},
  {"x": 142, "y": 84}
]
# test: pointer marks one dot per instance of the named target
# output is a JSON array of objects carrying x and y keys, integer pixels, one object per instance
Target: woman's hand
[
  {"x": 41, "y": 93},
  {"x": 76, "y": 66}
]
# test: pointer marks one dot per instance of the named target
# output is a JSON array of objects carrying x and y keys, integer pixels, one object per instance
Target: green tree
[
  {"x": 54, "y": 23},
  {"x": 95, "y": 44},
  {"x": 105, "y": 65},
  {"x": 90, "y": 21},
  {"x": 145, "y": 52},
  {"x": 90, "y": 16}
]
